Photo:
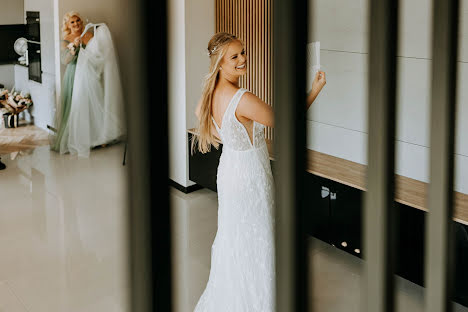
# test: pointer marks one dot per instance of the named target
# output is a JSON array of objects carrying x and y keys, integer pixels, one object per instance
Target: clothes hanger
[{"x": 88, "y": 26}]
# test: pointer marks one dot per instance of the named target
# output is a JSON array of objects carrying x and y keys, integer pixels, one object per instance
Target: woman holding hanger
[
  {"x": 72, "y": 29},
  {"x": 92, "y": 100}
]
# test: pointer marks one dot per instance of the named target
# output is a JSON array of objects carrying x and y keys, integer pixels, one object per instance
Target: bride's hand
[{"x": 319, "y": 81}]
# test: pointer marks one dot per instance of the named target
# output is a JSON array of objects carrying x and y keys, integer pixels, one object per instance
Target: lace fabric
[
  {"x": 233, "y": 133},
  {"x": 242, "y": 275}
]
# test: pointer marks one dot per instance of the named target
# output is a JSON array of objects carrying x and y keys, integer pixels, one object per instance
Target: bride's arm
[
  {"x": 317, "y": 86},
  {"x": 253, "y": 108}
]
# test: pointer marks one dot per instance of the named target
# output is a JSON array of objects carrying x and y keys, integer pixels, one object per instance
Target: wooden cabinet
[
  {"x": 461, "y": 263},
  {"x": 317, "y": 207},
  {"x": 203, "y": 167},
  {"x": 346, "y": 215}
]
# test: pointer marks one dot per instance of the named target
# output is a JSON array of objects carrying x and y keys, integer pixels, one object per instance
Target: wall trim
[{"x": 185, "y": 189}]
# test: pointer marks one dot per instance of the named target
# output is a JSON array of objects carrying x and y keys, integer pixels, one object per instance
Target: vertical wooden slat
[
  {"x": 251, "y": 21},
  {"x": 254, "y": 45},
  {"x": 271, "y": 43},
  {"x": 249, "y": 15},
  {"x": 262, "y": 54},
  {"x": 252, "y": 52}
]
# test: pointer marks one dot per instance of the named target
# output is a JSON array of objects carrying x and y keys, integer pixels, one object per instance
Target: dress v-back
[
  {"x": 233, "y": 133},
  {"x": 242, "y": 275}
]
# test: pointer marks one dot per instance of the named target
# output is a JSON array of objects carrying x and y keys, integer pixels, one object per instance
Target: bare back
[{"x": 222, "y": 96}]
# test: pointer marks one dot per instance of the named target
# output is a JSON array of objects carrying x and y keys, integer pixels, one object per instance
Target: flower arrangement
[
  {"x": 71, "y": 46},
  {"x": 14, "y": 102}
]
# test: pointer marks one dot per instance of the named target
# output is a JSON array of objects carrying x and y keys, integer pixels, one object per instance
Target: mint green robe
[{"x": 59, "y": 140}]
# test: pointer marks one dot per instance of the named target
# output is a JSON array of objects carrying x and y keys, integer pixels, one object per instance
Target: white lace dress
[{"x": 242, "y": 276}]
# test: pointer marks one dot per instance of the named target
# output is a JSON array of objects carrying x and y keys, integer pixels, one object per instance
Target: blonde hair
[
  {"x": 65, "y": 29},
  {"x": 216, "y": 51}
]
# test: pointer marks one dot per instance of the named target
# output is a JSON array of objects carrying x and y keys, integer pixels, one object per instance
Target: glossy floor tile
[
  {"x": 63, "y": 232},
  {"x": 63, "y": 241},
  {"x": 336, "y": 276},
  {"x": 22, "y": 138}
]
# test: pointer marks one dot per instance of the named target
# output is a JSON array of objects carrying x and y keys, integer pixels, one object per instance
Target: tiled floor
[
  {"x": 336, "y": 275},
  {"x": 63, "y": 241},
  {"x": 63, "y": 232},
  {"x": 22, "y": 139}
]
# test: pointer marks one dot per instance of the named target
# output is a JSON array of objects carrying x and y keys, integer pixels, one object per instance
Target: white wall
[
  {"x": 42, "y": 94},
  {"x": 111, "y": 12},
  {"x": 337, "y": 122},
  {"x": 177, "y": 92},
  {"x": 191, "y": 25},
  {"x": 199, "y": 28},
  {"x": 7, "y": 75},
  {"x": 11, "y": 12}
]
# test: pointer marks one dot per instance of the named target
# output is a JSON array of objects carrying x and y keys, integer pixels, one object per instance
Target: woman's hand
[
  {"x": 77, "y": 41},
  {"x": 319, "y": 81},
  {"x": 317, "y": 86},
  {"x": 72, "y": 48}
]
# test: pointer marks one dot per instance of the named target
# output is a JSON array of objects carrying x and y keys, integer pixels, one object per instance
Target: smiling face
[
  {"x": 234, "y": 62},
  {"x": 75, "y": 24}
]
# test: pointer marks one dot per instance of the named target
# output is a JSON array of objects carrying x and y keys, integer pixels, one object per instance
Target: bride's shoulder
[
  {"x": 249, "y": 102},
  {"x": 248, "y": 96}
]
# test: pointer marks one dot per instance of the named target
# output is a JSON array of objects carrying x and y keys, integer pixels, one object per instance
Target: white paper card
[{"x": 313, "y": 62}]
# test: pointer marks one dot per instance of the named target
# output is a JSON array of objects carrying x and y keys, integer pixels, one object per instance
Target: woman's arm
[
  {"x": 87, "y": 37},
  {"x": 317, "y": 86},
  {"x": 66, "y": 54},
  {"x": 253, "y": 108}
]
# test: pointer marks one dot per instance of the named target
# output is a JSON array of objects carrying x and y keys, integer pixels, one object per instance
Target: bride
[
  {"x": 242, "y": 276},
  {"x": 95, "y": 103}
]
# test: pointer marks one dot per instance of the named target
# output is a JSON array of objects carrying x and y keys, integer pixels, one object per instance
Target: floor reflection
[
  {"x": 63, "y": 232},
  {"x": 335, "y": 275}
]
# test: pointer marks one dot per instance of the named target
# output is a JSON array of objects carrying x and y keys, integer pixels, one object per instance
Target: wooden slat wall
[{"x": 250, "y": 21}]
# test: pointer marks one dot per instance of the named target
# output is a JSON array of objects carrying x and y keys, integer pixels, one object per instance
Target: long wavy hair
[
  {"x": 216, "y": 51},
  {"x": 65, "y": 29}
]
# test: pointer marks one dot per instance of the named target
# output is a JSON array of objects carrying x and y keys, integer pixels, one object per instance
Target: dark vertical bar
[
  {"x": 379, "y": 222},
  {"x": 289, "y": 59},
  {"x": 144, "y": 75},
  {"x": 439, "y": 232}
]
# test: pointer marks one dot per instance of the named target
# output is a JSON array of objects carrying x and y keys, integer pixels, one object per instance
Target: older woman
[{"x": 72, "y": 29}]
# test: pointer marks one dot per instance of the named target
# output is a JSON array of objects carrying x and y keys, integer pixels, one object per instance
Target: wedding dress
[
  {"x": 242, "y": 276},
  {"x": 96, "y": 113}
]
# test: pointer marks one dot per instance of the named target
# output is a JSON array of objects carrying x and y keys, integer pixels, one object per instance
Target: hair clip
[{"x": 212, "y": 51}]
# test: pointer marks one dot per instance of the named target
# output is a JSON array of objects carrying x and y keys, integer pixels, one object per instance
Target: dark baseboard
[{"x": 186, "y": 190}]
